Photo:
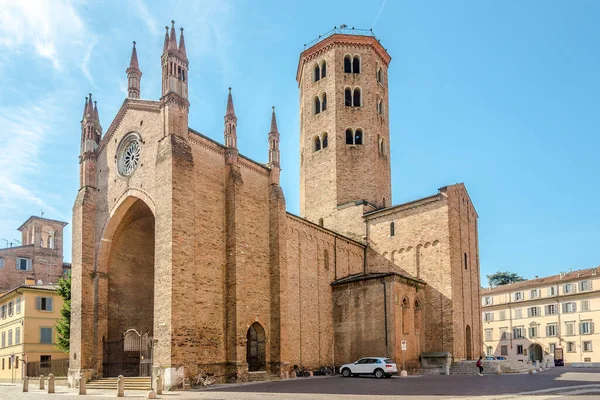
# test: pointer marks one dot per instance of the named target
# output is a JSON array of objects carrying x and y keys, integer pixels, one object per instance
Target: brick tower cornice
[{"x": 340, "y": 39}]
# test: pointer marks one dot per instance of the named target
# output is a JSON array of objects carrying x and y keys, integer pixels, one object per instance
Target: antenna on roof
[{"x": 343, "y": 26}]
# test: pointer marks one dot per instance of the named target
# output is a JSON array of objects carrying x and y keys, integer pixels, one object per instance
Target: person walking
[{"x": 480, "y": 365}]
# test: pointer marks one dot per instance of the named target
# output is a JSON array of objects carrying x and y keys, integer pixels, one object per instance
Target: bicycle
[
  {"x": 301, "y": 371},
  {"x": 328, "y": 370}
]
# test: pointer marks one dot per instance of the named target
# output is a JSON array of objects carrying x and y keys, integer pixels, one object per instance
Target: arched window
[
  {"x": 356, "y": 65},
  {"x": 382, "y": 149},
  {"x": 379, "y": 141},
  {"x": 348, "y": 97},
  {"x": 324, "y": 69},
  {"x": 392, "y": 229},
  {"x": 356, "y": 98},
  {"x": 256, "y": 347},
  {"x": 379, "y": 75},
  {"x": 417, "y": 317},
  {"x": 324, "y": 141},
  {"x": 320, "y": 221},
  {"x": 466, "y": 261},
  {"x": 358, "y": 136},
  {"x": 380, "y": 107},
  {"x": 317, "y": 73},
  {"x": 317, "y": 143},
  {"x": 349, "y": 136},
  {"x": 405, "y": 307},
  {"x": 183, "y": 75},
  {"x": 348, "y": 64},
  {"x": 325, "y": 258},
  {"x": 317, "y": 105},
  {"x": 324, "y": 102}
]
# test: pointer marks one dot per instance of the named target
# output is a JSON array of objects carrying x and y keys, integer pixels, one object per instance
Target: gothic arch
[{"x": 256, "y": 347}]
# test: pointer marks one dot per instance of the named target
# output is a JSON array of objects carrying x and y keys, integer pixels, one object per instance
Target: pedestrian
[{"x": 480, "y": 365}]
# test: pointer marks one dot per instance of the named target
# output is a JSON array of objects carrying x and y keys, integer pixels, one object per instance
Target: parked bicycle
[
  {"x": 301, "y": 371},
  {"x": 328, "y": 370}
]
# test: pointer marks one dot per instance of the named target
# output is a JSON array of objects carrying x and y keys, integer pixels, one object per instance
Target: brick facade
[{"x": 194, "y": 245}]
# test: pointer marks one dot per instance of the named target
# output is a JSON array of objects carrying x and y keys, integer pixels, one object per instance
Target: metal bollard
[
  {"x": 120, "y": 386},
  {"x": 82, "y": 385},
  {"x": 159, "y": 387},
  {"x": 51, "y": 383},
  {"x": 26, "y": 384},
  {"x": 41, "y": 382}
]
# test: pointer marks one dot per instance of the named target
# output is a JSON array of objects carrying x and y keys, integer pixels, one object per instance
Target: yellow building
[
  {"x": 530, "y": 319},
  {"x": 28, "y": 314}
]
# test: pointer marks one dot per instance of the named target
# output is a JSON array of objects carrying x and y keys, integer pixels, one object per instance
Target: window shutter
[
  {"x": 529, "y": 312},
  {"x": 49, "y": 304},
  {"x": 591, "y": 327},
  {"x": 546, "y": 308},
  {"x": 28, "y": 264},
  {"x": 38, "y": 303},
  {"x": 590, "y": 286},
  {"x": 574, "y": 307}
]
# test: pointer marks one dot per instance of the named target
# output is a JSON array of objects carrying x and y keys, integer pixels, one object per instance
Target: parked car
[
  {"x": 490, "y": 358},
  {"x": 381, "y": 367},
  {"x": 500, "y": 358}
]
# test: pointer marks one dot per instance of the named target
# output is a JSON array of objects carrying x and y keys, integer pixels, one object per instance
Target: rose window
[{"x": 129, "y": 154}]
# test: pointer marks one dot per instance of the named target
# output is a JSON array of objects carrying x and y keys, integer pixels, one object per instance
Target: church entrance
[
  {"x": 256, "y": 348},
  {"x": 468, "y": 343},
  {"x": 130, "y": 292},
  {"x": 535, "y": 353}
]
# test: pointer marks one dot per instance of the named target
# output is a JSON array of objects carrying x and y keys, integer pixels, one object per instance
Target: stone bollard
[
  {"x": 41, "y": 382},
  {"x": 82, "y": 385},
  {"x": 537, "y": 365},
  {"x": 26, "y": 384},
  {"x": 51, "y": 383},
  {"x": 447, "y": 369},
  {"x": 159, "y": 387},
  {"x": 531, "y": 371},
  {"x": 310, "y": 373},
  {"x": 151, "y": 394},
  {"x": 120, "y": 386},
  {"x": 403, "y": 374},
  {"x": 498, "y": 370},
  {"x": 293, "y": 374}
]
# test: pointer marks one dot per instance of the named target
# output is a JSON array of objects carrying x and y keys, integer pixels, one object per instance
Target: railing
[
  {"x": 343, "y": 29},
  {"x": 57, "y": 367}
]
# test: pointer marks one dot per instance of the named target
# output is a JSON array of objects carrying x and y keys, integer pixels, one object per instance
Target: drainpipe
[
  {"x": 335, "y": 257},
  {"x": 385, "y": 316}
]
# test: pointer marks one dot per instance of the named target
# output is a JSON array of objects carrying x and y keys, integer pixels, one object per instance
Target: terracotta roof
[
  {"x": 548, "y": 280},
  {"x": 51, "y": 288},
  {"x": 41, "y": 219}
]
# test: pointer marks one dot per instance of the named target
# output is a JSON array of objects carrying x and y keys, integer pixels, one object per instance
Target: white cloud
[{"x": 142, "y": 13}]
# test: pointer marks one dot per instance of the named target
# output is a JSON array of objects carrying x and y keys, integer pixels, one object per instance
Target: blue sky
[{"x": 500, "y": 95}]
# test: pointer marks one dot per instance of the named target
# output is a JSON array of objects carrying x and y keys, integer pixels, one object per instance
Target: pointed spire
[
  {"x": 90, "y": 108},
  {"x": 85, "y": 107},
  {"x": 273, "y": 122},
  {"x": 182, "y": 44},
  {"x": 96, "y": 111},
  {"x": 173, "y": 39},
  {"x": 230, "y": 110},
  {"x": 166, "y": 45},
  {"x": 134, "y": 60}
]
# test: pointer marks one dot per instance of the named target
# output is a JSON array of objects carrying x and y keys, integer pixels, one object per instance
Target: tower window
[
  {"x": 349, "y": 136},
  {"x": 356, "y": 65},
  {"x": 379, "y": 79},
  {"x": 380, "y": 107},
  {"x": 354, "y": 137},
  {"x": 317, "y": 73},
  {"x": 320, "y": 221},
  {"x": 392, "y": 229},
  {"x": 317, "y": 143},
  {"x": 324, "y": 102},
  {"x": 348, "y": 97},
  {"x": 358, "y": 136},
  {"x": 324, "y": 141},
  {"x": 466, "y": 261},
  {"x": 317, "y": 105},
  {"x": 324, "y": 69},
  {"x": 356, "y": 98},
  {"x": 348, "y": 64}
]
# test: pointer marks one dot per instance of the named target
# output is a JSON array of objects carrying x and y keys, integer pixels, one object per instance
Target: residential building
[
  {"x": 28, "y": 314},
  {"x": 38, "y": 257},
  {"x": 530, "y": 319}
]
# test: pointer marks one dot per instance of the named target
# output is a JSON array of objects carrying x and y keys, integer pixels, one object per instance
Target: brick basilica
[{"x": 185, "y": 243}]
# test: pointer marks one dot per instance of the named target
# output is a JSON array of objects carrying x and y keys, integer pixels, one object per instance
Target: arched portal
[
  {"x": 468, "y": 343},
  {"x": 256, "y": 348},
  {"x": 129, "y": 263},
  {"x": 536, "y": 353}
]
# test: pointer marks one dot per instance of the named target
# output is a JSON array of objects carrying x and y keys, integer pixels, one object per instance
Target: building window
[
  {"x": 3, "y": 311},
  {"x": 324, "y": 102},
  {"x": 3, "y": 339},
  {"x": 325, "y": 142},
  {"x": 356, "y": 98},
  {"x": 489, "y": 351},
  {"x": 552, "y": 291},
  {"x": 379, "y": 78},
  {"x": 551, "y": 330},
  {"x": 587, "y": 346},
  {"x": 18, "y": 306},
  {"x": 358, "y": 136},
  {"x": 551, "y": 309},
  {"x": 570, "y": 347},
  {"x": 46, "y": 335},
  {"x": 326, "y": 258},
  {"x": 349, "y": 136},
  {"x": 518, "y": 313},
  {"x": 17, "y": 335},
  {"x": 585, "y": 305},
  {"x": 504, "y": 350},
  {"x": 23, "y": 264},
  {"x": 488, "y": 334},
  {"x": 45, "y": 361},
  {"x": 503, "y": 333},
  {"x": 405, "y": 307},
  {"x": 1, "y": 262},
  {"x": 380, "y": 107},
  {"x": 348, "y": 97},
  {"x": 586, "y": 327},
  {"x": 519, "y": 349},
  {"x": 502, "y": 315},
  {"x": 356, "y": 65},
  {"x": 569, "y": 307},
  {"x": 534, "y": 294},
  {"x": 392, "y": 229},
  {"x": 519, "y": 332},
  {"x": 585, "y": 285},
  {"x": 317, "y": 142},
  {"x": 533, "y": 311},
  {"x": 317, "y": 73},
  {"x": 533, "y": 332},
  {"x": 43, "y": 303},
  {"x": 552, "y": 348},
  {"x": 466, "y": 260},
  {"x": 348, "y": 64},
  {"x": 488, "y": 316},
  {"x": 569, "y": 328},
  {"x": 317, "y": 103},
  {"x": 10, "y": 337},
  {"x": 488, "y": 301},
  {"x": 518, "y": 296},
  {"x": 320, "y": 221},
  {"x": 11, "y": 307},
  {"x": 324, "y": 69},
  {"x": 567, "y": 288}
]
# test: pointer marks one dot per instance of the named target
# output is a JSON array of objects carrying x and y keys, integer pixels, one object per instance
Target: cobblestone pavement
[{"x": 558, "y": 383}]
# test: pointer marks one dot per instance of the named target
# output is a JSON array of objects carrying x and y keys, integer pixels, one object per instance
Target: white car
[{"x": 381, "y": 367}]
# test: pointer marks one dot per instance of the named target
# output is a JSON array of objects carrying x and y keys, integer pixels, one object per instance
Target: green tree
[
  {"x": 503, "y": 278},
  {"x": 63, "y": 327}
]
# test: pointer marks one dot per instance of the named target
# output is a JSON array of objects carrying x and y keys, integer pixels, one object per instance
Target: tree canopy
[
  {"x": 503, "y": 278},
  {"x": 63, "y": 327}
]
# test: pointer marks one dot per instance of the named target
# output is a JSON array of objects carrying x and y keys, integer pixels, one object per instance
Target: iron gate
[{"x": 129, "y": 356}]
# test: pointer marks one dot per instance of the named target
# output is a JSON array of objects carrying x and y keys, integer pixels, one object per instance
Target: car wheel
[
  {"x": 346, "y": 372},
  {"x": 379, "y": 373}
]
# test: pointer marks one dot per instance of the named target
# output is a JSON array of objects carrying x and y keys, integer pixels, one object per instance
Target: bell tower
[
  {"x": 344, "y": 130},
  {"x": 175, "y": 83}
]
